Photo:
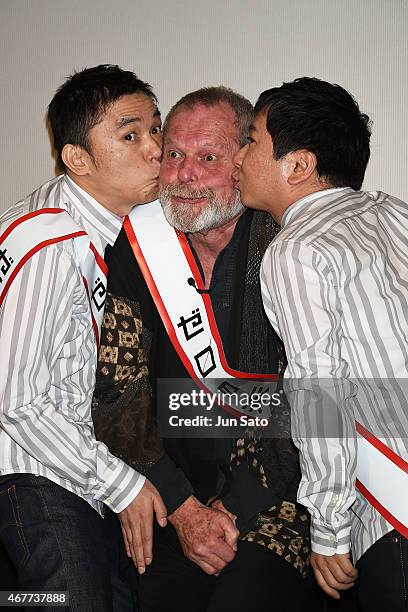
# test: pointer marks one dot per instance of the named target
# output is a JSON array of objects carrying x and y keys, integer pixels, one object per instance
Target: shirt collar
[
  {"x": 293, "y": 209},
  {"x": 102, "y": 225}
]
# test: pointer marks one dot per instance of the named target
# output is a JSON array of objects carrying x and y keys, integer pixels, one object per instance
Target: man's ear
[
  {"x": 301, "y": 166},
  {"x": 76, "y": 159}
]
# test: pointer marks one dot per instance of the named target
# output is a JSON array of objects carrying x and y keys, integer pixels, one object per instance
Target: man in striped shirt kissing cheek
[
  {"x": 56, "y": 480},
  {"x": 335, "y": 288}
]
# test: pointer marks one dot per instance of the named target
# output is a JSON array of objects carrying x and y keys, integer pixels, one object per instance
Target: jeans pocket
[{"x": 11, "y": 527}]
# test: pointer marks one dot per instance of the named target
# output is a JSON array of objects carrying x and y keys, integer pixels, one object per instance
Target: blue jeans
[
  {"x": 383, "y": 575},
  {"x": 57, "y": 542}
]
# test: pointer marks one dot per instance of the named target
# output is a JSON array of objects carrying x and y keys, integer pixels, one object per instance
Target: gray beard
[{"x": 190, "y": 218}]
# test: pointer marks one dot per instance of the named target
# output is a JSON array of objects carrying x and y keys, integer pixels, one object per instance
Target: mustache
[{"x": 185, "y": 191}]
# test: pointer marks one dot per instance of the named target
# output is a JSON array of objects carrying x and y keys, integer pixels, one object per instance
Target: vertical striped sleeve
[{"x": 301, "y": 300}]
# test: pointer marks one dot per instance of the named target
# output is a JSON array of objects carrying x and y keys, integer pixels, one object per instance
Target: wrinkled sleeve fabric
[{"x": 301, "y": 300}]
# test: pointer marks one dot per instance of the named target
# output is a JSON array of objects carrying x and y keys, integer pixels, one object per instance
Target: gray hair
[{"x": 211, "y": 96}]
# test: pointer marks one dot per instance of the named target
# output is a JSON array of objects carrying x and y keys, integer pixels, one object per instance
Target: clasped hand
[{"x": 208, "y": 536}]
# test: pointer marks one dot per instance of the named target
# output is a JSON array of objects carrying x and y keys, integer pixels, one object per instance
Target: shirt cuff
[
  {"x": 327, "y": 540},
  {"x": 120, "y": 484}
]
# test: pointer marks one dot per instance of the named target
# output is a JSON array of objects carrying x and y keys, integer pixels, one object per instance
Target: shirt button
[
  {"x": 109, "y": 500},
  {"x": 332, "y": 538},
  {"x": 335, "y": 497}
]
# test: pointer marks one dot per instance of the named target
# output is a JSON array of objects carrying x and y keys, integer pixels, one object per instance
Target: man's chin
[
  {"x": 151, "y": 195},
  {"x": 246, "y": 200}
]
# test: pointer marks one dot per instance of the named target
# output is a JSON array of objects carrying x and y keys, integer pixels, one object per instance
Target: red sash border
[
  {"x": 398, "y": 461},
  {"x": 99, "y": 260},
  {"x": 137, "y": 251},
  {"x": 53, "y": 211},
  {"x": 32, "y": 252},
  {"x": 166, "y": 318},
  {"x": 35, "y": 213},
  {"x": 383, "y": 448},
  {"x": 210, "y": 314},
  {"x": 380, "y": 508}
]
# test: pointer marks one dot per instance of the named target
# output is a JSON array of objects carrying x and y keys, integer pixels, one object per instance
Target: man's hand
[
  {"x": 207, "y": 536},
  {"x": 218, "y": 505},
  {"x": 137, "y": 524},
  {"x": 333, "y": 574}
]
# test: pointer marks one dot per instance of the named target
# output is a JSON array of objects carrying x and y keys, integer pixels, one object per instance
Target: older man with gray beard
[{"x": 237, "y": 539}]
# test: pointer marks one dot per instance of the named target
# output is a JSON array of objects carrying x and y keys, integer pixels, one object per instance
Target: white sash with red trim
[
  {"x": 171, "y": 273},
  {"x": 31, "y": 232},
  {"x": 94, "y": 274},
  {"x": 383, "y": 479}
]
